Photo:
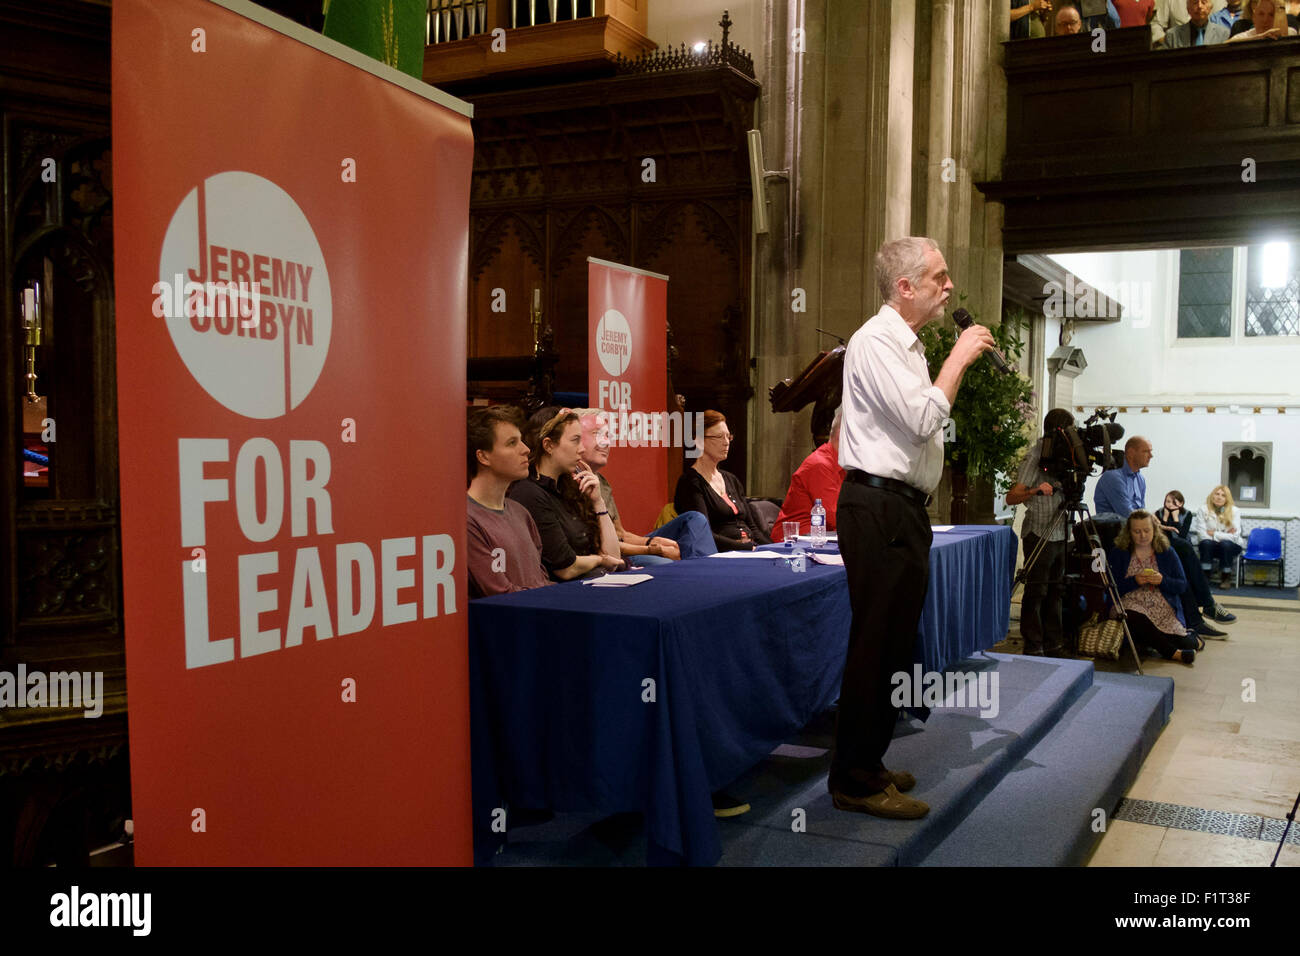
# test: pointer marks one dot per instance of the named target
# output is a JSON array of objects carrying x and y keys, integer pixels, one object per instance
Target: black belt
[{"x": 890, "y": 484}]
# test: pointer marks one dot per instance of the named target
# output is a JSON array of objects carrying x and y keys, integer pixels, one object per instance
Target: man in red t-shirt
[
  {"x": 820, "y": 476},
  {"x": 1135, "y": 13}
]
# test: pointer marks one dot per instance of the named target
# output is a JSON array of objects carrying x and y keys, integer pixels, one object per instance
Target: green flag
[{"x": 391, "y": 31}]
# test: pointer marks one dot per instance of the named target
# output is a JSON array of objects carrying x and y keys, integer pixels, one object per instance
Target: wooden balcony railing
[
  {"x": 1133, "y": 147},
  {"x": 473, "y": 40}
]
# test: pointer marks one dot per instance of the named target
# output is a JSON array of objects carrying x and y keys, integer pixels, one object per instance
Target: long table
[{"x": 651, "y": 697}]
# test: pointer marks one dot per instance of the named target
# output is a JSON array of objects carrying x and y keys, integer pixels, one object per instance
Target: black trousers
[
  {"x": 1040, "y": 605},
  {"x": 1146, "y": 634},
  {"x": 1198, "y": 594},
  {"x": 885, "y": 542}
]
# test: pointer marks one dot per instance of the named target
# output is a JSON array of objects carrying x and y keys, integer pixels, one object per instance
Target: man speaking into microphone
[{"x": 891, "y": 445}]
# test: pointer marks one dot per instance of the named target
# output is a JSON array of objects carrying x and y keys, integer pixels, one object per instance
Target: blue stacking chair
[{"x": 1264, "y": 546}]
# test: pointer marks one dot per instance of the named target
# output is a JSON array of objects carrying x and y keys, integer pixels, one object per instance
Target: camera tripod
[
  {"x": 1085, "y": 530},
  {"x": 1290, "y": 819}
]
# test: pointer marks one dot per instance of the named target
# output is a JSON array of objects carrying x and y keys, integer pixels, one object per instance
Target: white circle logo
[
  {"x": 614, "y": 342},
  {"x": 245, "y": 294}
]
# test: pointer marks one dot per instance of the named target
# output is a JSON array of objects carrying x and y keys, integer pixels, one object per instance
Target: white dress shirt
[{"x": 893, "y": 416}]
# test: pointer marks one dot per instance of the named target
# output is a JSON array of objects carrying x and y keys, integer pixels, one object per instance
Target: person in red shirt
[
  {"x": 1135, "y": 13},
  {"x": 820, "y": 476}
]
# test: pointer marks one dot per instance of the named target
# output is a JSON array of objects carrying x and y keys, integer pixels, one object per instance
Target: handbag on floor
[{"x": 1100, "y": 637}]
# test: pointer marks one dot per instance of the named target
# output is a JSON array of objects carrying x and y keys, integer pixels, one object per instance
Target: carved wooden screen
[{"x": 561, "y": 174}]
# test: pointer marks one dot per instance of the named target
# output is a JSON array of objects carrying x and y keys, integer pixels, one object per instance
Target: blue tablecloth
[
  {"x": 651, "y": 697},
  {"x": 968, "y": 605}
]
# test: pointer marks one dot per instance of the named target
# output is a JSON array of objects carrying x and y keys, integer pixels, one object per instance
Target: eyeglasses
[{"x": 720, "y": 437}]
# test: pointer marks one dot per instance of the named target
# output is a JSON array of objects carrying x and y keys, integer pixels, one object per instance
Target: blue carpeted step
[
  {"x": 957, "y": 756},
  {"x": 1043, "y": 812},
  {"x": 764, "y": 846}
]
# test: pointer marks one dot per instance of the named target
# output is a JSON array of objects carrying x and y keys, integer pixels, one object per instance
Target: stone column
[{"x": 843, "y": 107}]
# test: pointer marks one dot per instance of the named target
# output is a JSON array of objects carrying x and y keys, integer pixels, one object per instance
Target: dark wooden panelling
[
  {"x": 558, "y": 178},
  {"x": 1134, "y": 148},
  {"x": 1210, "y": 104},
  {"x": 1057, "y": 116}
]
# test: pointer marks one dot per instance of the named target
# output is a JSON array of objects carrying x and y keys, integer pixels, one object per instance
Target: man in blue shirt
[
  {"x": 1197, "y": 30},
  {"x": 1228, "y": 15},
  {"x": 1121, "y": 491}
]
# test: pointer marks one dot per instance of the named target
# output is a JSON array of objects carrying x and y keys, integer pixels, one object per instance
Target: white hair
[{"x": 901, "y": 259}]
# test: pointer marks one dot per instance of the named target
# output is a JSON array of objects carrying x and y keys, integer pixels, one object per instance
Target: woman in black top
[
  {"x": 1174, "y": 520},
  {"x": 718, "y": 494},
  {"x": 562, "y": 494}
]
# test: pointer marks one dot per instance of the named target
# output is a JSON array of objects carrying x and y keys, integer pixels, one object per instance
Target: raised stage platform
[{"x": 1022, "y": 788}]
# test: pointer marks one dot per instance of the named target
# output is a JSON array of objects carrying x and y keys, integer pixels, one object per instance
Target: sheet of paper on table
[
  {"x": 751, "y": 554},
  {"x": 827, "y": 558},
  {"x": 618, "y": 580},
  {"x": 942, "y": 527}
]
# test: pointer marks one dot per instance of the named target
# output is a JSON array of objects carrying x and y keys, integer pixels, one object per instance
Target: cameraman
[{"x": 1040, "y": 607}]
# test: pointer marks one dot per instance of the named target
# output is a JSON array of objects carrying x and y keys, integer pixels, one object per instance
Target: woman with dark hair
[
  {"x": 1175, "y": 520},
  {"x": 718, "y": 494},
  {"x": 1150, "y": 577},
  {"x": 562, "y": 494}
]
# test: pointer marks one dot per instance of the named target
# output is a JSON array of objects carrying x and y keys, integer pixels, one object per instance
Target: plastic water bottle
[{"x": 817, "y": 533}]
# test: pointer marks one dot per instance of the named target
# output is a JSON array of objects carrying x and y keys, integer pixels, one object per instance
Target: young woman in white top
[{"x": 1216, "y": 532}]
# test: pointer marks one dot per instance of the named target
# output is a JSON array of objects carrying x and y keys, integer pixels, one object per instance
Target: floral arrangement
[{"x": 993, "y": 419}]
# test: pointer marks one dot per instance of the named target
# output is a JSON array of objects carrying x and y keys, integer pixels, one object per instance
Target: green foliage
[{"x": 993, "y": 418}]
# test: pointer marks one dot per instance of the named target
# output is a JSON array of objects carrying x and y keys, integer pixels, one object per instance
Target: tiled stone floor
[{"x": 1221, "y": 751}]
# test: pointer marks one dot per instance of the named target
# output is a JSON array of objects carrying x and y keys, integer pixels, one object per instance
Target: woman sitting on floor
[
  {"x": 1150, "y": 578},
  {"x": 718, "y": 494},
  {"x": 562, "y": 494},
  {"x": 1216, "y": 533}
]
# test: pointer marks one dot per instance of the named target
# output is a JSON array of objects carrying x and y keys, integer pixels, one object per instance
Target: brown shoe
[
  {"x": 901, "y": 779},
  {"x": 1227, "y": 582},
  {"x": 887, "y": 803}
]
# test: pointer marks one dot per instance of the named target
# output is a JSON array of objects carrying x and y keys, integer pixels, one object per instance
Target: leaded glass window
[
  {"x": 1272, "y": 290},
  {"x": 1205, "y": 293}
]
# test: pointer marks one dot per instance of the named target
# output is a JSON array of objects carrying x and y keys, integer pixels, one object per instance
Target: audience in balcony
[
  {"x": 1028, "y": 18},
  {"x": 1135, "y": 13},
  {"x": 1197, "y": 30},
  {"x": 1268, "y": 21},
  {"x": 1107, "y": 21},
  {"x": 1231, "y": 15},
  {"x": 1068, "y": 21},
  {"x": 1247, "y": 19}
]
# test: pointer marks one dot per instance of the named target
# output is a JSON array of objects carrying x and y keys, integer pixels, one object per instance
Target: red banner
[
  {"x": 291, "y": 226},
  {"x": 627, "y": 368}
]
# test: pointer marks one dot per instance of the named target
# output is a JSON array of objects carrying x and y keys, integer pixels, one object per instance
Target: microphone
[{"x": 964, "y": 320}]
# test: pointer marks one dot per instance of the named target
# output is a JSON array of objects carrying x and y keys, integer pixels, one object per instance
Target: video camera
[{"x": 1068, "y": 454}]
